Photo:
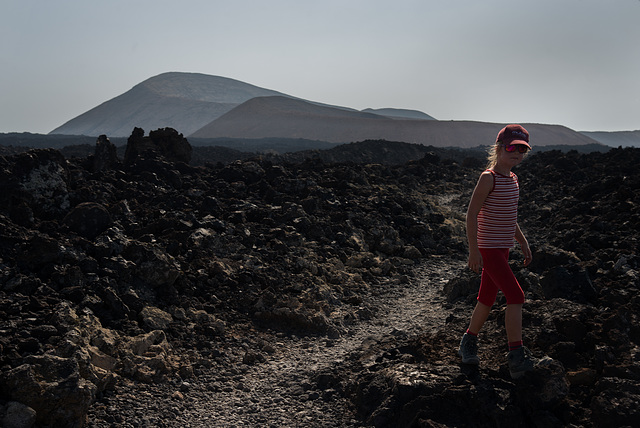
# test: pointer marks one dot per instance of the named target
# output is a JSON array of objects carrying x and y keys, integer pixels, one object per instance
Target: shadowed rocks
[{"x": 148, "y": 269}]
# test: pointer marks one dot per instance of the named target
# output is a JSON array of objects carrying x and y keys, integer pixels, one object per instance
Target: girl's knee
[
  {"x": 515, "y": 297},
  {"x": 486, "y": 300},
  {"x": 487, "y": 295}
]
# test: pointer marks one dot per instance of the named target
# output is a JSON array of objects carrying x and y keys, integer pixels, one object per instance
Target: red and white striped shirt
[{"x": 498, "y": 216}]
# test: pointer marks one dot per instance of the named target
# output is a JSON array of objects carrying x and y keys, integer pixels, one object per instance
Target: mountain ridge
[
  {"x": 616, "y": 138},
  {"x": 204, "y": 87},
  {"x": 400, "y": 113},
  {"x": 184, "y": 101},
  {"x": 207, "y": 106},
  {"x": 293, "y": 118}
]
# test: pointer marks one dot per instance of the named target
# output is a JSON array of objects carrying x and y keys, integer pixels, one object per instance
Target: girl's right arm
[{"x": 480, "y": 193}]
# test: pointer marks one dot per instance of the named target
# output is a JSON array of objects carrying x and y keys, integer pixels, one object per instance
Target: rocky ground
[
  {"x": 271, "y": 379},
  {"x": 278, "y": 292}
]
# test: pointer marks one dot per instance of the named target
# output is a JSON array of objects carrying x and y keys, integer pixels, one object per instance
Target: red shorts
[{"x": 497, "y": 275}]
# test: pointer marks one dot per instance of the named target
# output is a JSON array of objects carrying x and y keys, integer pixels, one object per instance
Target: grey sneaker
[
  {"x": 520, "y": 361},
  {"x": 469, "y": 349}
]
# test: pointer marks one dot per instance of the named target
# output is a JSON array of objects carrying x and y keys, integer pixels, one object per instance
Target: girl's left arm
[{"x": 524, "y": 245}]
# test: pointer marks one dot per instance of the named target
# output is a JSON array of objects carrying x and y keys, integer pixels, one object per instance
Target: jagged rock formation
[
  {"x": 164, "y": 143},
  {"x": 106, "y": 154}
]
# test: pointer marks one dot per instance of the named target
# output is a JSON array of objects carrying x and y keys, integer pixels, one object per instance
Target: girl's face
[{"x": 509, "y": 159}]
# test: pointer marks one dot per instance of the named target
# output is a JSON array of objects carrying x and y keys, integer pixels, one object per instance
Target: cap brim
[{"x": 524, "y": 143}]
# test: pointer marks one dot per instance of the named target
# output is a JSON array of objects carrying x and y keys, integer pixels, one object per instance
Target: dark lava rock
[
  {"x": 166, "y": 143},
  {"x": 88, "y": 219},
  {"x": 106, "y": 155},
  {"x": 149, "y": 270}
]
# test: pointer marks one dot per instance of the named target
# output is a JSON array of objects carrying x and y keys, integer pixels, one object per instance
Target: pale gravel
[{"x": 278, "y": 389}]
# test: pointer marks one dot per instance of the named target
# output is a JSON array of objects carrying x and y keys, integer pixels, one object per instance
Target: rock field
[{"x": 277, "y": 291}]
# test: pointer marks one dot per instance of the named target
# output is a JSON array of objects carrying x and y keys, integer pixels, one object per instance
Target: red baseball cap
[{"x": 513, "y": 134}]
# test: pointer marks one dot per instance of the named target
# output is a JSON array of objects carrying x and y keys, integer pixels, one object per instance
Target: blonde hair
[{"x": 492, "y": 155}]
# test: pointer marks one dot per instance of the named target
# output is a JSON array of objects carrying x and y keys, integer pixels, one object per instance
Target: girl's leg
[
  {"x": 478, "y": 317},
  {"x": 501, "y": 275},
  {"x": 486, "y": 296},
  {"x": 496, "y": 266},
  {"x": 519, "y": 357},
  {"x": 513, "y": 323},
  {"x": 468, "y": 349}
]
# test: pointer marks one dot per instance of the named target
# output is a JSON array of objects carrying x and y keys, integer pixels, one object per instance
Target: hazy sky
[{"x": 569, "y": 62}]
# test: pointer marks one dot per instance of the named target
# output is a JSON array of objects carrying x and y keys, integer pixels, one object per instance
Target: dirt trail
[{"x": 278, "y": 392}]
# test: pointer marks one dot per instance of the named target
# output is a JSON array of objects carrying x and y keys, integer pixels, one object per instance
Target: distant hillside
[
  {"x": 212, "y": 107},
  {"x": 399, "y": 113},
  {"x": 41, "y": 141},
  {"x": 183, "y": 101},
  {"x": 263, "y": 145},
  {"x": 283, "y": 117},
  {"x": 290, "y": 118},
  {"x": 616, "y": 139}
]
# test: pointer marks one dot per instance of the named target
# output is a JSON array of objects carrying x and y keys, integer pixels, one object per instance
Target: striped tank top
[{"x": 498, "y": 216}]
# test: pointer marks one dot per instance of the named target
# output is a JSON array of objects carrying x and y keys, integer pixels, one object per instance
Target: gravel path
[{"x": 272, "y": 382}]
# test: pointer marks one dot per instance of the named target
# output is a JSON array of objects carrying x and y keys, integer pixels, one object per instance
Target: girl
[{"x": 491, "y": 228}]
